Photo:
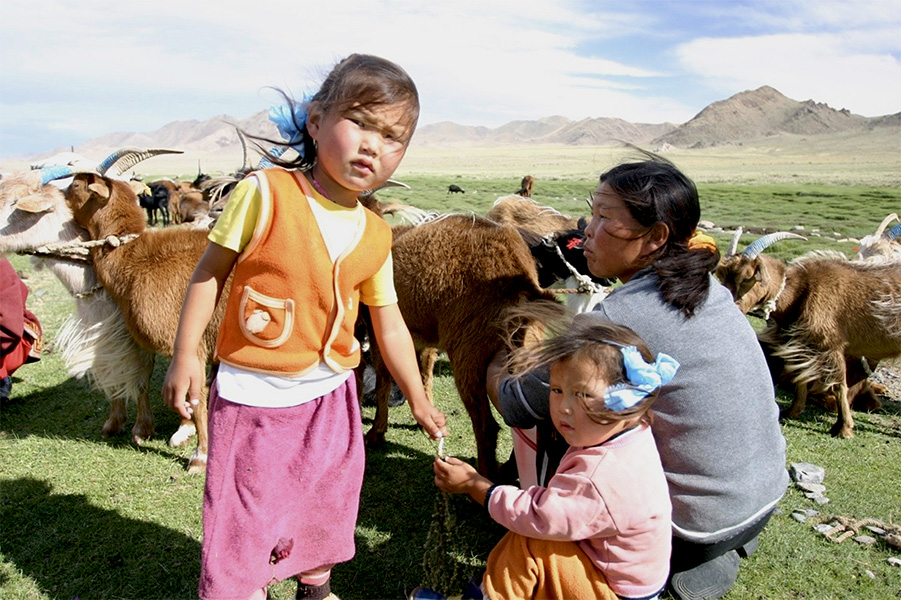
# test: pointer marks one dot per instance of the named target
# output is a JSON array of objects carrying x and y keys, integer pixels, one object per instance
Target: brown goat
[
  {"x": 822, "y": 309},
  {"x": 455, "y": 277},
  {"x": 524, "y": 212},
  {"x": 525, "y": 188},
  {"x": 147, "y": 277}
]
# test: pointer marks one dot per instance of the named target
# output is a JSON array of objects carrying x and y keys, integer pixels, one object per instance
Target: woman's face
[{"x": 615, "y": 243}]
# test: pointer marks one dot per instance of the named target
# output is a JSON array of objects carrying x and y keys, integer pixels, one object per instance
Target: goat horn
[
  {"x": 125, "y": 158},
  {"x": 55, "y": 172},
  {"x": 245, "y": 164},
  {"x": 764, "y": 242},
  {"x": 894, "y": 232},
  {"x": 387, "y": 184},
  {"x": 733, "y": 244},
  {"x": 881, "y": 229}
]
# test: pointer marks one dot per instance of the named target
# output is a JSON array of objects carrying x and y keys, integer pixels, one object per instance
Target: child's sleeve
[
  {"x": 379, "y": 290},
  {"x": 569, "y": 510},
  {"x": 234, "y": 227}
]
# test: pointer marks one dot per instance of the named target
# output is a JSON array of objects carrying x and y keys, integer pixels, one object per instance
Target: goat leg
[
  {"x": 376, "y": 433},
  {"x": 143, "y": 429},
  {"x": 197, "y": 462},
  {"x": 115, "y": 423},
  {"x": 800, "y": 401},
  {"x": 844, "y": 426}
]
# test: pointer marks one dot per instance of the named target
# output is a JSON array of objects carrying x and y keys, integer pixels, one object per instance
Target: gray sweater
[{"x": 716, "y": 424}]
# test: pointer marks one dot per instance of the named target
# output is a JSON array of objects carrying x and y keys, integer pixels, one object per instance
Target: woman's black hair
[
  {"x": 359, "y": 80},
  {"x": 655, "y": 191}
]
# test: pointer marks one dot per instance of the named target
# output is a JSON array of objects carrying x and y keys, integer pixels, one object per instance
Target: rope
[
  {"x": 78, "y": 251},
  {"x": 586, "y": 285},
  {"x": 441, "y": 570}
]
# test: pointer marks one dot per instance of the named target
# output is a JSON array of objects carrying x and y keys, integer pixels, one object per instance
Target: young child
[
  {"x": 286, "y": 448},
  {"x": 601, "y": 526}
]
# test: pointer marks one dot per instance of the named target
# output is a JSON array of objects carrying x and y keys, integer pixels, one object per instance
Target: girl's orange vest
[{"x": 290, "y": 308}]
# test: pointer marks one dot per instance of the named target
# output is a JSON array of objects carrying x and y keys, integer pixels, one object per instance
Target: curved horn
[
  {"x": 245, "y": 164},
  {"x": 881, "y": 229},
  {"x": 894, "y": 232},
  {"x": 387, "y": 184},
  {"x": 764, "y": 242},
  {"x": 125, "y": 158},
  {"x": 55, "y": 172},
  {"x": 733, "y": 244}
]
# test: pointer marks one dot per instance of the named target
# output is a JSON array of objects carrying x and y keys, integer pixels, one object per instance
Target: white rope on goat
[{"x": 586, "y": 285}]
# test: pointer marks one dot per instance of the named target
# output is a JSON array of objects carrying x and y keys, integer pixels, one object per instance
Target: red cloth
[
  {"x": 21, "y": 336},
  {"x": 282, "y": 490}
]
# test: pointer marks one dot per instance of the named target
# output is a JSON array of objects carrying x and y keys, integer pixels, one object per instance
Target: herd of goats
[{"x": 830, "y": 319}]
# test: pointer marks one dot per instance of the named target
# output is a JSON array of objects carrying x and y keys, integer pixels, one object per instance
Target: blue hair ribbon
[
  {"x": 643, "y": 379},
  {"x": 290, "y": 123}
]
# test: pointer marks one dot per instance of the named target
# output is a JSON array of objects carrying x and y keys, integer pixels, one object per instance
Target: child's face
[
  {"x": 358, "y": 149},
  {"x": 615, "y": 242},
  {"x": 574, "y": 382}
]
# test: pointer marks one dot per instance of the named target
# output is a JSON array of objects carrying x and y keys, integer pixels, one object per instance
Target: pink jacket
[{"x": 613, "y": 500}]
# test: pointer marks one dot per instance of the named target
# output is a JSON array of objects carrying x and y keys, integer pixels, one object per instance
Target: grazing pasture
[{"x": 89, "y": 517}]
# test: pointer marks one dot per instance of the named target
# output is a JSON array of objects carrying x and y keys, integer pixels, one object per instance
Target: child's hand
[
  {"x": 183, "y": 385},
  {"x": 454, "y": 476},
  {"x": 429, "y": 418}
]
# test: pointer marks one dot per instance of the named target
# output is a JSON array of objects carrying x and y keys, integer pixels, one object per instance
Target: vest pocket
[{"x": 265, "y": 321}]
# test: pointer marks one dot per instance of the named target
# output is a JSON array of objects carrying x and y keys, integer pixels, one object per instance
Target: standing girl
[
  {"x": 286, "y": 445},
  {"x": 600, "y": 528}
]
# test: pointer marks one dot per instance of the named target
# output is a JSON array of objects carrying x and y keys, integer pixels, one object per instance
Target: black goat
[
  {"x": 456, "y": 189},
  {"x": 156, "y": 203}
]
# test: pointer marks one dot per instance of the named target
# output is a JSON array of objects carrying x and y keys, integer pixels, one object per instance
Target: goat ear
[
  {"x": 761, "y": 273},
  {"x": 36, "y": 203},
  {"x": 100, "y": 188}
]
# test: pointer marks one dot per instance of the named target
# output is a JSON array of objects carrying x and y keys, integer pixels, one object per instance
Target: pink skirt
[{"x": 282, "y": 491}]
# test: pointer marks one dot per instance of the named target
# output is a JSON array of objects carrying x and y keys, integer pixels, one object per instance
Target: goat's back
[
  {"x": 528, "y": 214},
  {"x": 856, "y": 303},
  {"x": 148, "y": 278},
  {"x": 455, "y": 277}
]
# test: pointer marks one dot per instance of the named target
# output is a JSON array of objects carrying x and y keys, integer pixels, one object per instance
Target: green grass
[{"x": 88, "y": 517}]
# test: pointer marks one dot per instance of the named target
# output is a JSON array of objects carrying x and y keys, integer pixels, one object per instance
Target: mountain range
[{"x": 739, "y": 119}]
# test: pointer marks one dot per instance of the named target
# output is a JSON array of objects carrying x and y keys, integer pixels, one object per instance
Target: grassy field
[{"x": 87, "y": 517}]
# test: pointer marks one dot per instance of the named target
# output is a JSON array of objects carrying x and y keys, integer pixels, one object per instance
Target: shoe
[
  {"x": 749, "y": 548},
  {"x": 707, "y": 581}
]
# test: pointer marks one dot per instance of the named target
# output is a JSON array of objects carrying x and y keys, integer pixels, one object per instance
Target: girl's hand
[
  {"x": 429, "y": 418},
  {"x": 183, "y": 385},
  {"x": 454, "y": 476}
]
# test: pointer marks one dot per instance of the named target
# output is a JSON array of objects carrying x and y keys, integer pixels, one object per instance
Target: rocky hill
[
  {"x": 765, "y": 112},
  {"x": 742, "y": 118}
]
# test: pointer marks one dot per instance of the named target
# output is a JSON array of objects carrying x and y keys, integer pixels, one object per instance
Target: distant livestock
[
  {"x": 455, "y": 189},
  {"x": 525, "y": 188}
]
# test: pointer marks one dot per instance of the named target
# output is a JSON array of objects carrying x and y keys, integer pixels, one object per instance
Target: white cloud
[
  {"x": 826, "y": 68},
  {"x": 94, "y": 67}
]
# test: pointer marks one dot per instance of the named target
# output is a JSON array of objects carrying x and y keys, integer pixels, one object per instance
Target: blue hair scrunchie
[
  {"x": 643, "y": 378},
  {"x": 289, "y": 124}
]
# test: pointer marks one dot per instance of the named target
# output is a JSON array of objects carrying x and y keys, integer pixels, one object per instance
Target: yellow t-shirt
[
  {"x": 233, "y": 230},
  {"x": 235, "y": 226}
]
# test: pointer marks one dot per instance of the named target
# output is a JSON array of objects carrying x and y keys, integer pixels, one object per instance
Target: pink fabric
[
  {"x": 282, "y": 491},
  {"x": 613, "y": 500}
]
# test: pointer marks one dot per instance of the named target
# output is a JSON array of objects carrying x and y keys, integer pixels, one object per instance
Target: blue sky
[{"x": 71, "y": 71}]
